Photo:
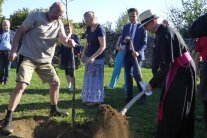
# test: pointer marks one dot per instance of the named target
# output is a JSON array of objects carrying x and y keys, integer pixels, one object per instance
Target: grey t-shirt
[{"x": 39, "y": 41}]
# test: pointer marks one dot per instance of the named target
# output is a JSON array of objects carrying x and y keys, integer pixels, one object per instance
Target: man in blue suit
[{"x": 138, "y": 37}]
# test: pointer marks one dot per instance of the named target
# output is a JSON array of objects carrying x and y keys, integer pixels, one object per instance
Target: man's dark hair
[
  {"x": 132, "y": 10},
  {"x": 89, "y": 13}
]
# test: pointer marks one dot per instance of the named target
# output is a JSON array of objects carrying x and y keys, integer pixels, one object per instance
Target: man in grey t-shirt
[{"x": 40, "y": 32}]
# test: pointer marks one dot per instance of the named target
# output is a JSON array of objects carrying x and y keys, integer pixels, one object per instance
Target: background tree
[
  {"x": 66, "y": 2},
  {"x": 108, "y": 26},
  {"x": 122, "y": 20},
  {"x": 78, "y": 28},
  {"x": 1, "y": 16},
  {"x": 1, "y": 3},
  {"x": 182, "y": 17},
  {"x": 39, "y": 10},
  {"x": 20, "y": 15}
]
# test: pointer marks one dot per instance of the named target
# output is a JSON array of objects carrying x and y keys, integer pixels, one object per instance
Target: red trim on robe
[{"x": 179, "y": 62}]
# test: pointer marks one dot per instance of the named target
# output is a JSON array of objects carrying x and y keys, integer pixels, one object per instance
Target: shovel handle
[
  {"x": 135, "y": 59},
  {"x": 124, "y": 110}
]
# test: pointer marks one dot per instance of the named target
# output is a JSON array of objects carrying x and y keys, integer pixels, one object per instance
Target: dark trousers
[
  {"x": 5, "y": 65},
  {"x": 70, "y": 72},
  {"x": 203, "y": 81},
  {"x": 154, "y": 69},
  {"x": 203, "y": 88},
  {"x": 131, "y": 71}
]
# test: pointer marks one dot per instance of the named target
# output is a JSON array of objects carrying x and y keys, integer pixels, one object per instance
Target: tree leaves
[{"x": 183, "y": 17}]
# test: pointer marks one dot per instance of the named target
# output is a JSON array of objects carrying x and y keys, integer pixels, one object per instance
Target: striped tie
[{"x": 131, "y": 31}]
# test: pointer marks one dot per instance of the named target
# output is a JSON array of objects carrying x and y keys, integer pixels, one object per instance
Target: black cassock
[{"x": 177, "y": 110}]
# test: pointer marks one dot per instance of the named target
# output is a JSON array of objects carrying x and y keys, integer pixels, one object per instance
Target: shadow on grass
[
  {"x": 6, "y": 91},
  {"x": 64, "y": 104},
  {"x": 38, "y": 106},
  {"x": 35, "y": 117},
  {"x": 38, "y": 91},
  {"x": 114, "y": 97}
]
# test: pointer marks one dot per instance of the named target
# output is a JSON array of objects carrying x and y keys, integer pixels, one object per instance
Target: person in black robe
[{"x": 177, "y": 71}]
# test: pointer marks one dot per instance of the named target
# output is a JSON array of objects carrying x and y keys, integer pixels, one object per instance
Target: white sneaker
[{"x": 148, "y": 93}]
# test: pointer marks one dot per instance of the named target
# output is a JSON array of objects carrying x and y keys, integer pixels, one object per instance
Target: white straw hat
[{"x": 147, "y": 16}]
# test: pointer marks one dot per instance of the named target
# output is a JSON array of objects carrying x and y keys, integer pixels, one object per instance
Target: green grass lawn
[{"x": 142, "y": 118}]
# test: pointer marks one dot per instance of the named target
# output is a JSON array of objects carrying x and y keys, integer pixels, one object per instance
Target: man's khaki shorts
[{"x": 45, "y": 71}]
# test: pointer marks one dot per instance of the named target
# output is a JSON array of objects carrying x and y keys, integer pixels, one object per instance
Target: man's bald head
[
  {"x": 58, "y": 5},
  {"x": 56, "y": 11}
]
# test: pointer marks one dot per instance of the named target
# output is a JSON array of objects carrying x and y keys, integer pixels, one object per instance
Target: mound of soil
[{"x": 108, "y": 123}]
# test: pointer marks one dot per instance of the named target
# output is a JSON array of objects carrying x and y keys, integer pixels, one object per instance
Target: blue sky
[{"x": 105, "y": 10}]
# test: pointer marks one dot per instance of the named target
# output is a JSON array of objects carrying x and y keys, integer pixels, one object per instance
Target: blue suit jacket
[{"x": 140, "y": 39}]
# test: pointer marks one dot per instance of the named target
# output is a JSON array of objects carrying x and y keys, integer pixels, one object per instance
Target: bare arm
[
  {"x": 19, "y": 33},
  {"x": 64, "y": 38},
  {"x": 102, "y": 41},
  {"x": 83, "y": 53},
  {"x": 84, "y": 49}
]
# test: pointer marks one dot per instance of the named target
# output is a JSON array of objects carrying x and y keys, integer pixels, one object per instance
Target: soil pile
[{"x": 108, "y": 123}]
